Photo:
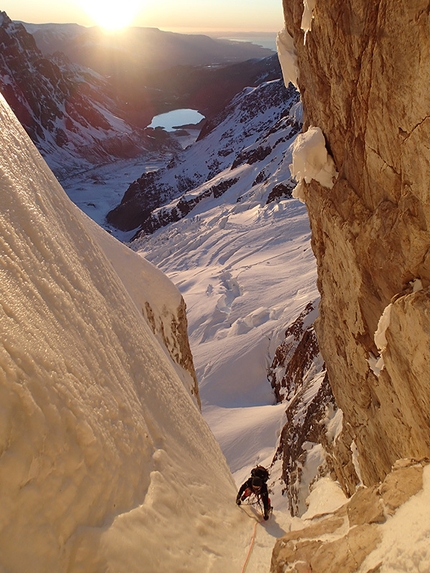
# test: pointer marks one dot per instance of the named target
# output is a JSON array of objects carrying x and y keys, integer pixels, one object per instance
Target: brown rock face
[
  {"x": 364, "y": 73},
  {"x": 173, "y": 332},
  {"x": 340, "y": 542}
]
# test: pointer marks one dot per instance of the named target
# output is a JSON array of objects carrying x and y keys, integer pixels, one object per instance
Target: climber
[{"x": 256, "y": 485}]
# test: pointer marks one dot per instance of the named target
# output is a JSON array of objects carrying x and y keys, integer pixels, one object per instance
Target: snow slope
[
  {"x": 243, "y": 264},
  {"x": 106, "y": 463},
  {"x": 246, "y": 271}
]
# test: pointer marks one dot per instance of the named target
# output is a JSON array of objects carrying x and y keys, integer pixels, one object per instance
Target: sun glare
[{"x": 111, "y": 14}]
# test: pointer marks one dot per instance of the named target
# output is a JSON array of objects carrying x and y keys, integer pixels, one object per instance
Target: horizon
[
  {"x": 187, "y": 17},
  {"x": 214, "y": 32}
]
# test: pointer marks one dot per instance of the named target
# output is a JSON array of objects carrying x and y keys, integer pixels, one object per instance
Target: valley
[{"x": 261, "y": 256}]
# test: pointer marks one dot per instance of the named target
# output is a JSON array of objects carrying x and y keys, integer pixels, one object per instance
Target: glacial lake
[{"x": 176, "y": 118}]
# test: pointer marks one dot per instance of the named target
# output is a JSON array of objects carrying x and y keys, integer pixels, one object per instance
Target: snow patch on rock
[
  {"x": 308, "y": 16},
  {"x": 376, "y": 363},
  {"x": 311, "y": 161},
  {"x": 287, "y": 58}
]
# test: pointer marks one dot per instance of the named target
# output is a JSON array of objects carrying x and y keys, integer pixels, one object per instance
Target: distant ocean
[{"x": 266, "y": 40}]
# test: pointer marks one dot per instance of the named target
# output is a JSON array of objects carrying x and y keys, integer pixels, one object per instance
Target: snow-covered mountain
[
  {"x": 80, "y": 112},
  {"x": 245, "y": 269},
  {"x": 231, "y": 195},
  {"x": 244, "y": 146},
  {"x": 70, "y": 112},
  {"x": 227, "y": 243}
]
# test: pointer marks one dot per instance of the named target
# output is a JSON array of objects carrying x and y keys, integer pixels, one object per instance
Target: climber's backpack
[{"x": 260, "y": 472}]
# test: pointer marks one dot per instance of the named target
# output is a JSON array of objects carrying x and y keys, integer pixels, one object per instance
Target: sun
[{"x": 111, "y": 14}]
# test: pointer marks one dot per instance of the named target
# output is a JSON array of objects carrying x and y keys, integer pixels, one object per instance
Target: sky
[{"x": 197, "y": 15}]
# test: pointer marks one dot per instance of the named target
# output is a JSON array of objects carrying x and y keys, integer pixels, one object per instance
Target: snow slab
[
  {"x": 106, "y": 462},
  {"x": 287, "y": 58}
]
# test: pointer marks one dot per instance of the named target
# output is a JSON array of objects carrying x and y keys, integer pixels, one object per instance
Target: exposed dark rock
[
  {"x": 298, "y": 378},
  {"x": 178, "y": 210},
  {"x": 280, "y": 191},
  {"x": 294, "y": 356},
  {"x": 305, "y": 424},
  {"x": 251, "y": 156}
]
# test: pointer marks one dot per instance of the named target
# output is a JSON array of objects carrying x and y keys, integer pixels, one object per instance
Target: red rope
[{"x": 251, "y": 546}]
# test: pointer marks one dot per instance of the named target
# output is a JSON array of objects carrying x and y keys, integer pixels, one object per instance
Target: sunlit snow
[
  {"x": 287, "y": 57},
  {"x": 312, "y": 161},
  {"x": 106, "y": 461}
]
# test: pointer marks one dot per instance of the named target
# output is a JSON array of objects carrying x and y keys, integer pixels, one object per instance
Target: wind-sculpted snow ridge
[
  {"x": 106, "y": 462},
  {"x": 158, "y": 300},
  {"x": 69, "y": 111},
  {"x": 255, "y": 130}
]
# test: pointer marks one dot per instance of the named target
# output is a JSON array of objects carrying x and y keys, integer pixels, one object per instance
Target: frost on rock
[
  {"x": 308, "y": 15},
  {"x": 311, "y": 161},
  {"x": 287, "y": 58}
]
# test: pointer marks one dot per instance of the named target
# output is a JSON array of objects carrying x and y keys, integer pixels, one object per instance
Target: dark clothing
[{"x": 246, "y": 490}]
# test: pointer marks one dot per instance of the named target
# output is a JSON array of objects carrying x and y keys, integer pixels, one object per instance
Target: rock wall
[
  {"x": 341, "y": 541},
  {"x": 314, "y": 442},
  {"x": 173, "y": 331},
  {"x": 364, "y": 73}
]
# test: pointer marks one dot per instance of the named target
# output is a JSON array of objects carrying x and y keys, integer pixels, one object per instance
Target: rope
[{"x": 251, "y": 546}]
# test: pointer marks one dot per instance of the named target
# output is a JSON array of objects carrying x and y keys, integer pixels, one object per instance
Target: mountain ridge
[
  {"x": 254, "y": 129},
  {"x": 69, "y": 112}
]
